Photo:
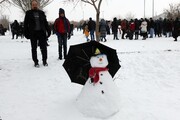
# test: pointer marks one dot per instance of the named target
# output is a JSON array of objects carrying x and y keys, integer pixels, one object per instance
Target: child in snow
[{"x": 86, "y": 32}]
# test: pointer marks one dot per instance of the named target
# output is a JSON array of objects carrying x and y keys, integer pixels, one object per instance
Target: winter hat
[
  {"x": 97, "y": 52},
  {"x": 61, "y": 11}
]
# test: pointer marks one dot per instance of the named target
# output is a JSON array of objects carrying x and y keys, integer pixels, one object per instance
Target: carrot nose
[{"x": 100, "y": 59}]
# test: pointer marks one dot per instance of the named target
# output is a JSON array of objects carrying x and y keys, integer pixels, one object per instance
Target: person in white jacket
[{"x": 143, "y": 29}]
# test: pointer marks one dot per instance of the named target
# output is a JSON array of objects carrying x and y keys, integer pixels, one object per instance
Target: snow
[{"x": 148, "y": 81}]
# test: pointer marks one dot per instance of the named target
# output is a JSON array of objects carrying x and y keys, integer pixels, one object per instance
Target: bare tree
[
  {"x": 97, "y": 5},
  {"x": 4, "y": 4},
  {"x": 4, "y": 20},
  {"x": 25, "y": 5},
  {"x": 173, "y": 11},
  {"x": 2, "y": 1},
  {"x": 130, "y": 16}
]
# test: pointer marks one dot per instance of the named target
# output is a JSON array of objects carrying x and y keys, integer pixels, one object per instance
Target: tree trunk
[
  {"x": 97, "y": 8},
  {"x": 97, "y": 27}
]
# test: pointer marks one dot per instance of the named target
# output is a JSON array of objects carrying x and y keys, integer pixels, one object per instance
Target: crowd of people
[
  {"x": 129, "y": 29},
  {"x": 36, "y": 28},
  {"x": 132, "y": 29},
  {"x": 17, "y": 29}
]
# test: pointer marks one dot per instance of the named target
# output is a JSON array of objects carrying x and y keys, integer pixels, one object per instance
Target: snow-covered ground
[{"x": 148, "y": 81}]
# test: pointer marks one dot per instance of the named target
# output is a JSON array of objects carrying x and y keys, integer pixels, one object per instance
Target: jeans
[
  {"x": 92, "y": 34},
  {"x": 62, "y": 43},
  {"x": 151, "y": 32}
]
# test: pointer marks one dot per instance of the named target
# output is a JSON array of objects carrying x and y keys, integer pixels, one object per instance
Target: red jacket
[
  {"x": 62, "y": 25},
  {"x": 124, "y": 25},
  {"x": 132, "y": 26}
]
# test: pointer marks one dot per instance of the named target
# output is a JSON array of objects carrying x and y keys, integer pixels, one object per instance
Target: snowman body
[{"x": 99, "y": 99}]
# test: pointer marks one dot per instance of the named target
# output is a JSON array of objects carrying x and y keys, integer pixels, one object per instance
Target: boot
[
  {"x": 45, "y": 63},
  {"x": 175, "y": 39},
  {"x": 65, "y": 55},
  {"x": 34, "y": 56},
  {"x": 36, "y": 64},
  {"x": 44, "y": 55},
  {"x": 60, "y": 52}
]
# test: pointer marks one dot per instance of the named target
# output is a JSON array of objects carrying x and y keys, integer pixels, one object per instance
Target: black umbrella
[{"x": 77, "y": 63}]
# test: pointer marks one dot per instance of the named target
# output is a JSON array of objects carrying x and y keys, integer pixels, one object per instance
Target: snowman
[{"x": 99, "y": 97}]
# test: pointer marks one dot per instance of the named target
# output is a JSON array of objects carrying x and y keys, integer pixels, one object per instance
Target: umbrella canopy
[{"x": 77, "y": 63}]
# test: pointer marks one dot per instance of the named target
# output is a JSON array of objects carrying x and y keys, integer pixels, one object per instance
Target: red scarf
[{"x": 94, "y": 73}]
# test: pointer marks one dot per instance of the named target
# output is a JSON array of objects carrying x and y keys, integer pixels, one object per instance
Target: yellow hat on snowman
[{"x": 97, "y": 51}]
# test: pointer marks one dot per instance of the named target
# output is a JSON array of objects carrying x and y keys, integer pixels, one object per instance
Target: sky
[{"x": 109, "y": 9}]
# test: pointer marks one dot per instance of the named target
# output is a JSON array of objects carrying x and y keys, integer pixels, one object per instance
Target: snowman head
[{"x": 99, "y": 60}]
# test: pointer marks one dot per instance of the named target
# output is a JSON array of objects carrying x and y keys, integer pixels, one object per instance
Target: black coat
[
  {"x": 102, "y": 28},
  {"x": 15, "y": 27},
  {"x": 91, "y": 25},
  {"x": 29, "y": 23},
  {"x": 114, "y": 26},
  {"x": 176, "y": 31}
]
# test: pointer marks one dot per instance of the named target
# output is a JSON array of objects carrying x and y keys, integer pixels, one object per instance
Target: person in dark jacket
[
  {"x": 21, "y": 30},
  {"x": 169, "y": 26},
  {"x": 62, "y": 30},
  {"x": 151, "y": 26},
  {"x": 92, "y": 27},
  {"x": 137, "y": 28},
  {"x": 176, "y": 29},
  {"x": 36, "y": 29},
  {"x": 102, "y": 30},
  {"x": 108, "y": 27},
  {"x": 2, "y": 30},
  {"x": 115, "y": 28},
  {"x": 15, "y": 29}
]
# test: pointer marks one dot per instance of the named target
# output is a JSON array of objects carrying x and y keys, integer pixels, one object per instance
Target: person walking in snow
[
  {"x": 132, "y": 29},
  {"x": 124, "y": 27},
  {"x": 176, "y": 29},
  {"x": 137, "y": 24},
  {"x": 15, "y": 29},
  {"x": 151, "y": 26},
  {"x": 143, "y": 28},
  {"x": 102, "y": 29},
  {"x": 62, "y": 30},
  {"x": 36, "y": 29},
  {"x": 86, "y": 32},
  {"x": 92, "y": 27},
  {"x": 2, "y": 30},
  {"x": 115, "y": 28}
]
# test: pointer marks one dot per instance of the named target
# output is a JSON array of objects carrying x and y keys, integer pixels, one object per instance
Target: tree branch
[
  {"x": 86, "y": 1},
  {"x": 25, "y": 5}
]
